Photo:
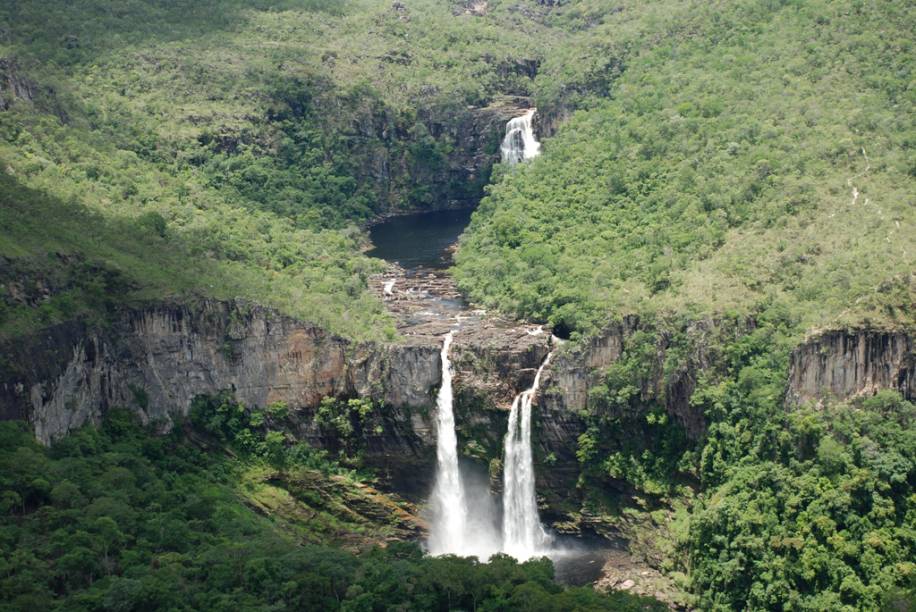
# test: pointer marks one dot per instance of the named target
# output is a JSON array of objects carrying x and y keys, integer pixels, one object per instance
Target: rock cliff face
[
  {"x": 843, "y": 364},
  {"x": 574, "y": 372},
  {"x": 578, "y": 370},
  {"x": 834, "y": 365},
  {"x": 441, "y": 157},
  {"x": 13, "y": 85},
  {"x": 156, "y": 360},
  {"x": 17, "y": 86}
]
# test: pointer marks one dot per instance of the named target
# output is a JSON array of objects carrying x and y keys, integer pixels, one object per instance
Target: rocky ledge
[{"x": 156, "y": 359}]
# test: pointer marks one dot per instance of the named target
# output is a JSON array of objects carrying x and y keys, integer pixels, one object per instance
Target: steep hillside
[
  {"x": 736, "y": 176},
  {"x": 721, "y": 222},
  {"x": 240, "y": 143},
  {"x": 750, "y": 155}
]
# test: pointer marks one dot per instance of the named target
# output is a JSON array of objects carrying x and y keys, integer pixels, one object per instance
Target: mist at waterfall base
[
  {"x": 576, "y": 562},
  {"x": 461, "y": 509},
  {"x": 466, "y": 518}
]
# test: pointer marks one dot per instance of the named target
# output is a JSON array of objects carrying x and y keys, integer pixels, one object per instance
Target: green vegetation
[
  {"x": 227, "y": 148},
  {"x": 809, "y": 508},
  {"x": 745, "y": 164},
  {"x": 817, "y": 516},
  {"x": 720, "y": 175},
  {"x": 64, "y": 260},
  {"x": 118, "y": 519},
  {"x": 731, "y": 163}
]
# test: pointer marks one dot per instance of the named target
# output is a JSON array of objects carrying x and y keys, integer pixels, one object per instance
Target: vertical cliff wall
[
  {"x": 842, "y": 364},
  {"x": 156, "y": 360},
  {"x": 576, "y": 371}
]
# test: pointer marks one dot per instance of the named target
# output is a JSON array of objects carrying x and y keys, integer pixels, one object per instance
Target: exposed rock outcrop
[
  {"x": 843, "y": 364},
  {"x": 833, "y": 365},
  {"x": 14, "y": 85},
  {"x": 401, "y": 157},
  {"x": 578, "y": 370},
  {"x": 477, "y": 8},
  {"x": 158, "y": 359},
  {"x": 575, "y": 371}
]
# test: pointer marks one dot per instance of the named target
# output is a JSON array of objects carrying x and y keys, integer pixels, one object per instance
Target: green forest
[
  {"x": 725, "y": 180},
  {"x": 755, "y": 157},
  {"x": 115, "y": 518}
]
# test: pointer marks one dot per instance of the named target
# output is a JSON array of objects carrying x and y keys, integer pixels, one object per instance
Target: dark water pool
[
  {"x": 419, "y": 240},
  {"x": 579, "y": 566}
]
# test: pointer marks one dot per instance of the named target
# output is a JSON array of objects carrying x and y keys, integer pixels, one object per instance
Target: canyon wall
[
  {"x": 583, "y": 367},
  {"x": 842, "y": 364},
  {"x": 835, "y": 365},
  {"x": 155, "y": 360},
  {"x": 440, "y": 157}
]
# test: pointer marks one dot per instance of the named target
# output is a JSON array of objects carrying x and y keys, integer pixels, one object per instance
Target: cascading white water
[
  {"x": 449, "y": 526},
  {"x": 519, "y": 144},
  {"x": 459, "y": 529},
  {"x": 523, "y": 534}
]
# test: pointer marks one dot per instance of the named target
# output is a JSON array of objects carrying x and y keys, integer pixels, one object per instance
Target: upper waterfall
[
  {"x": 523, "y": 534},
  {"x": 519, "y": 144}
]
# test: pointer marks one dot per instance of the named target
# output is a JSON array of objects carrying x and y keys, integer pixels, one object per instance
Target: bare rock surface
[
  {"x": 841, "y": 364},
  {"x": 492, "y": 355}
]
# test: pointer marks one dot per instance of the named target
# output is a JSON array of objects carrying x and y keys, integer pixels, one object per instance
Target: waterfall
[
  {"x": 466, "y": 530},
  {"x": 449, "y": 525},
  {"x": 519, "y": 144},
  {"x": 523, "y": 534}
]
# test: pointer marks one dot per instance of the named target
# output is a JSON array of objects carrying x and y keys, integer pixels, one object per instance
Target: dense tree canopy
[
  {"x": 757, "y": 153},
  {"x": 118, "y": 519}
]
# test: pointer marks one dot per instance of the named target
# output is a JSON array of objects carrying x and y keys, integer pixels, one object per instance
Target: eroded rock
[{"x": 842, "y": 364}]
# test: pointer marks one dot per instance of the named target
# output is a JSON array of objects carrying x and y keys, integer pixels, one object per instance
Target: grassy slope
[
  {"x": 135, "y": 105},
  {"x": 719, "y": 176}
]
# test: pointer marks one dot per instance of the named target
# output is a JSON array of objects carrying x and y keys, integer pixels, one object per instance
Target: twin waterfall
[
  {"x": 458, "y": 527},
  {"x": 455, "y": 527},
  {"x": 523, "y": 534},
  {"x": 519, "y": 144}
]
